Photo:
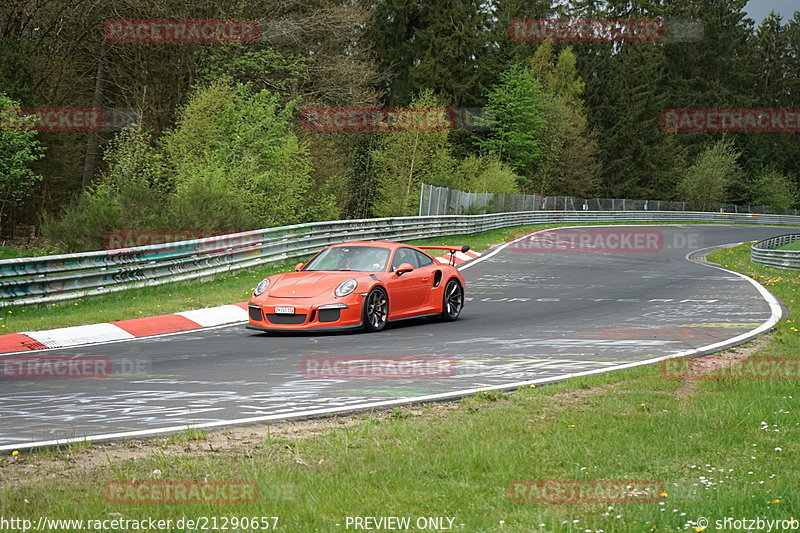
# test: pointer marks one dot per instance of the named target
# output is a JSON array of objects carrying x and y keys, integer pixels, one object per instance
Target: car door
[
  {"x": 408, "y": 292},
  {"x": 427, "y": 269}
]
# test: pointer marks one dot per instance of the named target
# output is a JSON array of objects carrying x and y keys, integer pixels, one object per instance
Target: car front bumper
[{"x": 309, "y": 313}]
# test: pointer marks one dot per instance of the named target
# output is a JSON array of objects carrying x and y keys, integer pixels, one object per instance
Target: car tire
[
  {"x": 452, "y": 301},
  {"x": 376, "y": 310}
]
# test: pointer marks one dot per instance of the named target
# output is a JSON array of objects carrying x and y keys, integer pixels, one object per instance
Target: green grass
[
  {"x": 720, "y": 448},
  {"x": 10, "y": 253},
  {"x": 791, "y": 246}
]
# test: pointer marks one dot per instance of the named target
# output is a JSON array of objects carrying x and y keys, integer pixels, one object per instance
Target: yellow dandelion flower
[
  {"x": 777, "y": 500},
  {"x": 663, "y": 494},
  {"x": 571, "y": 425},
  {"x": 15, "y": 452}
]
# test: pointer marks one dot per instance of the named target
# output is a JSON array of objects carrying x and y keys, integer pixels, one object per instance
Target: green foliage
[
  {"x": 624, "y": 102},
  {"x": 707, "y": 182},
  {"x": 19, "y": 148},
  {"x": 449, "y": 48},
  {"x": 131, "y": 194},
  {"x": 486, "y": 174},
  {"x": 231, "y": 163},
  {"x": 421, "y": 45},
  {"x": 569, "y": 164},
  {"x": 516, "y": 110},
  {"x": 560, "y": 77},
  {"x": 263, "y": 68},
  {"x": 405, "y": 159},
  {"x": 238, "y": 145},
  {"x": 592, "y": 127},
  {"x": 771, "y": 187}
]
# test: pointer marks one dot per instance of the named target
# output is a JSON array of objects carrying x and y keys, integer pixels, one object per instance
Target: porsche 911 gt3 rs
[{"x": 357, "y": 285}]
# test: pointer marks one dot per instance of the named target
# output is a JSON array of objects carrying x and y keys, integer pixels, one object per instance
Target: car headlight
[
  {"x": 346, "y": 287},
  {"x": 261, "y": 287}
]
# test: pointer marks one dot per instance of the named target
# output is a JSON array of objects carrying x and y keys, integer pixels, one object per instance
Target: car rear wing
[{"x": 452, "y": 249}]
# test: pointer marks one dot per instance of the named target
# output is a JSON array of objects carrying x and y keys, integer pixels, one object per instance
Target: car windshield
[{"x": 358, "y": 258}]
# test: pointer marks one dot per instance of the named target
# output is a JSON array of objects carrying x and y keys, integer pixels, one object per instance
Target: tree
[
  {"x": 130, "y": 195},
  {"x": 19, "y": 147},
  {"x": 504, "y": 50},
  {"x": 559, "y": 76},
  {"x": 774, "y": 50},
  {"x": 639, "y": 159},
  {"x": 430, "y": 45},
  {"x": 231, "y": 163},
  {"x": 706, "y": 183},
  {"x": 405, "y": 159},
  {"x": 516, "y": 116},
  {"x": 236, "y": 150},
  {"x": 450, "y": 49},
  {"x": 772, "y": 188},
  {"x": 486, "y": 174},
  {"x": 569, "y": 162},
  {"x": 390, "y": 33}
]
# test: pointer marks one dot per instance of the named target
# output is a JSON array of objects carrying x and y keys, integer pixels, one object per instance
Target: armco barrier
[
  {"x": 764, "y": 252},
  {"x": 33, "y": 280}
]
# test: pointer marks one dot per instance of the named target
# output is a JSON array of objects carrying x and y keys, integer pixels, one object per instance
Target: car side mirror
[
  {"x": 403, "y": 268},
  {"x": 298, "y": 267}
]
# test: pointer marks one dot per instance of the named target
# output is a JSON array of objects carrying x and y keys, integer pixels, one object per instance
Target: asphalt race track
[{"x": 530, "y": 314}]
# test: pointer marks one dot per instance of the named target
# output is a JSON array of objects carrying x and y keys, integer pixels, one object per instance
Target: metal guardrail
[
  {"x": 435, "y": 201},
  {"x": 34, "y": 280},
  {"x": 764, "y": 252}
]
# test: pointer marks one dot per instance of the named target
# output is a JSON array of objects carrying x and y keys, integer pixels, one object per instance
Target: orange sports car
[{"x": 359, "y": 285}]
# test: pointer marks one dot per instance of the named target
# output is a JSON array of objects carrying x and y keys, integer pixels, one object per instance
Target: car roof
[{"x": 378, "y": 244}]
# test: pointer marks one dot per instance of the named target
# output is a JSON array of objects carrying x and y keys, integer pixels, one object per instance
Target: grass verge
[
  {"x": 719, "y": 448},
  {"x": 791, "y": 246}
]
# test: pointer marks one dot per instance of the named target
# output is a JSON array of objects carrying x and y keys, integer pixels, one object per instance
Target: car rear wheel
[
  {"x": 376, "y": 310},
  {"x": 453, "y": 300}
]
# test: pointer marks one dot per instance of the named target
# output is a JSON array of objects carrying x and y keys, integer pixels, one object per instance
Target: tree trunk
[{"x": 90, "y": 161}]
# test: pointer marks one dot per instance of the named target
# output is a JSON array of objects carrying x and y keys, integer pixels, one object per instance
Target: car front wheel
[{"x": 376, "y": 310}]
